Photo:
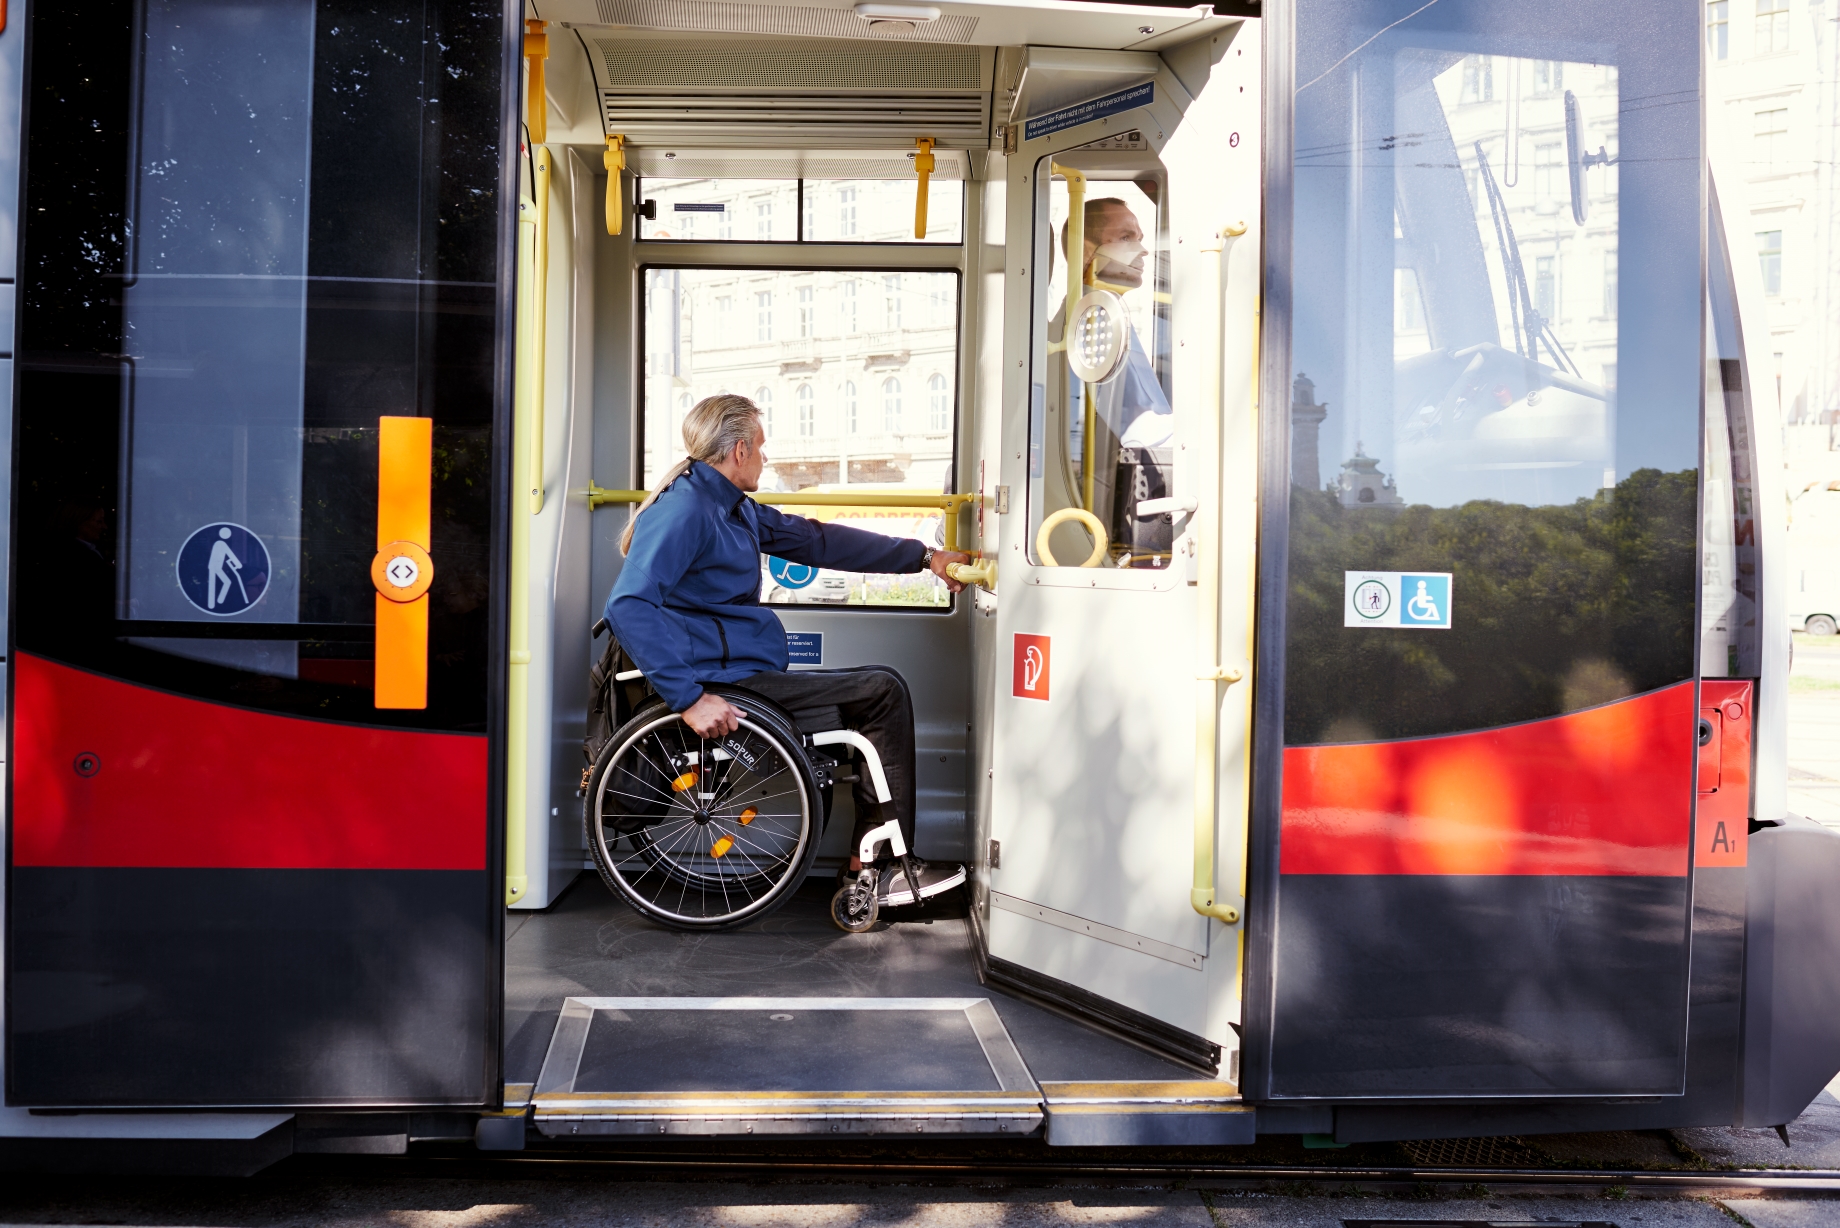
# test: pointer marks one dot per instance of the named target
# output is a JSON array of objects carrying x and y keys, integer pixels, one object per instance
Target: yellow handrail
[
  {"x": 923, "y": 166},
  {"x": 536, "y": 110},
  {"x": 951, "y": 505},
  {"x": 1205, "y": 533},
  {"x": 613, "y": 159},
  {"x": 540, "y": 164},
  {"x": 1076, "y": 273}
]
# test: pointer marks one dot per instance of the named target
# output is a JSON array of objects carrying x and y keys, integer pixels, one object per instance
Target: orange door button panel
[
  {"x": 402, "y": 570},
  {"x": 1722, "y": 822}
]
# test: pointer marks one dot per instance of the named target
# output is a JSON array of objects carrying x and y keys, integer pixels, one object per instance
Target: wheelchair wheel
[{"x": 699, "y": 833}]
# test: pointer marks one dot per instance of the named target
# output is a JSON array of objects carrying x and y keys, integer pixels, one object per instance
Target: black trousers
[{"x": 874, "y": 701}]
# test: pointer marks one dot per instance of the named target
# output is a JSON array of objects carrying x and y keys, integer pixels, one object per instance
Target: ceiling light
[{"x": 909, "y": 13}]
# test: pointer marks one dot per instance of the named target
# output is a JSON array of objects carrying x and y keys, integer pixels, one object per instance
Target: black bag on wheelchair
[{"x": 611, "y": 703}]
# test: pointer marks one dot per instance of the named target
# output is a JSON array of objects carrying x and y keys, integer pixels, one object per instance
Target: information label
[
  {"x": 804, "y": 647},
  {"x": 1085, "y": 112},
  {"x": 1397, "y": 599}
]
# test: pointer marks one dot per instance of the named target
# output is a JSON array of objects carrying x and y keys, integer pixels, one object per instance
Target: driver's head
[{"x": 1115, "y": 249}]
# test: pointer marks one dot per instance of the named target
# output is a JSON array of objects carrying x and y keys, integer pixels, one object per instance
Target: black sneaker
[{"x": 893, "y": 891}]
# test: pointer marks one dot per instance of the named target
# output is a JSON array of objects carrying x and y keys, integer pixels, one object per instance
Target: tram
[{"x": 1366, "y": 718}]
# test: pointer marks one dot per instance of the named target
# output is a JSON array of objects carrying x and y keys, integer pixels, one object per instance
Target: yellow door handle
[
  {"x": 1101, "y": 542},
  {"x": 982, "y": 571},
  {"x": 402, "y": 570}
]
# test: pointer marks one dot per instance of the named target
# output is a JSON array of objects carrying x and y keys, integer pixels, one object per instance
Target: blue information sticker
[
  {"x": 1085, "y": 112},
  {"x": 790, "y": 575},
  {"x": 805, "y": 647},
  {"x": 1424, "y": 600},
  {"x": 223, "y": 569}
]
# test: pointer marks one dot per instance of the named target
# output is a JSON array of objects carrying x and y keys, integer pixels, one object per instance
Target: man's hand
[
  {"x": 712, "y": 716},
  {"x": 945, "y": 558}
]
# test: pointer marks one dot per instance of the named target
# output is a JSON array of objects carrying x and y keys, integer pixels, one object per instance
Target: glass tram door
[
  {"x": 1101, "y": 620},
  {"x": 259, "y": 409}
]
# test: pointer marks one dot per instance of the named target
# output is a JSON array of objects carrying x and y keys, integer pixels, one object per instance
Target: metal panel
[{"x": 1191, "y": 1114}]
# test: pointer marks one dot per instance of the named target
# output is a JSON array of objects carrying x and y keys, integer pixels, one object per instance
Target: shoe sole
[{"x": 896, "y": 899}]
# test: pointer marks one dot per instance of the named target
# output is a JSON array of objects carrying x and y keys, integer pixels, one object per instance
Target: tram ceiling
[{"x": 1146, "y": 27}]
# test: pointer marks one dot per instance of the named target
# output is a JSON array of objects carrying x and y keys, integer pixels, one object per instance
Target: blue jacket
[{"x": 687, "y": 603}]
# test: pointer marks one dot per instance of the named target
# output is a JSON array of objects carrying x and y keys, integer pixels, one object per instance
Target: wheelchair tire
[{"x": 704, "y": 834}]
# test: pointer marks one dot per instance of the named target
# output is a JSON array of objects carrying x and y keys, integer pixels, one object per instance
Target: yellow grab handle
[
  {"x": 614, "y": 159},
  {"x": 980, "y": 571},
  {"x": 1101, "y": 542},
  {"x": 402, "y": 570},
  {"x": 536, "y": 108},
  {"x": 923, "y": 166}
]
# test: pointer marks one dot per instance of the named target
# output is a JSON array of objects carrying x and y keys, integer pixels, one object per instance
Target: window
[
  {"x": 834, "y": 425},
  {"x": 1769, "y": 256},
  {"x": 802, "y": 210},
  {"x": 1408, "y": 309},
  {"x": 891, "y": 405},
  {"x": 1548, "y": 76},
  {"x": 1772, "y": 26},
  {"x": 1478, "y": 79},
  {"x": 1718, "y": 27},
  {"x": 1772, "y": 132},
  {"x": 1546, "y": 287},
  {"x": 891, "y": 303},
  {"x": 1549, "y": 173},
  {"x": 937, "y": 304},
  {"x": 938, "y": 405},
  {"x": 725, "y": 317},
  {"x": 1610, "y": 285},
  {"x": 808, "y": 412},
  {"x": 846, "y": 306}
]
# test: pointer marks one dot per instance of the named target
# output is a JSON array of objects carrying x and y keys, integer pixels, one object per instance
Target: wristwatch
[{"x": 926, "y": 560}]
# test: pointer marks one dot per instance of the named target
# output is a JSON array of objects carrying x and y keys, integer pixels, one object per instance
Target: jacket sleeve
[
  {"x": 663, "y": 546},
  {"x": 798, "y": 539}
]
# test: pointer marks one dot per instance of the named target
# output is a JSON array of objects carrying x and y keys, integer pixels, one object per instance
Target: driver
[{"x": 686, "y": 607}]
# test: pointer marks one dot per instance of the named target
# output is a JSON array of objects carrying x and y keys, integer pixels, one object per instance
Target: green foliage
[{"x": 1553, "y": 608}]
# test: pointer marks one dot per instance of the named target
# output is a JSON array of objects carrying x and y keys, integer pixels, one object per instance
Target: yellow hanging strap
[
  {"x": 614, "y": 159},
  {"x": 536, "y": 111},
  {"x": 923, "y": 166}
]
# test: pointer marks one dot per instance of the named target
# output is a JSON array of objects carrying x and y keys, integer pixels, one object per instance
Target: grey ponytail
[{"x": 712, "y": 428}]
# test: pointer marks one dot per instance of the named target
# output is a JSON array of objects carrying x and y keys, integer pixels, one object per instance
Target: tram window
[
  {"x": 1455, "y": 399},
  {"x": 1102, "y": 447},
  {"x": 794, "y": 210},
  {"x": 847, "y": 408}
]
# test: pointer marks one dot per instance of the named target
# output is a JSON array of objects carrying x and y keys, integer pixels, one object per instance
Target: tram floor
[{"x": 590, "y": 944}]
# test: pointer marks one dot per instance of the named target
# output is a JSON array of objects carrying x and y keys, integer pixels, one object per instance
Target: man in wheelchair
[{"x": 686, "y": 609}]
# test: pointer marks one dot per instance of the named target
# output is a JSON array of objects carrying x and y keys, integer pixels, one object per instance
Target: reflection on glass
[
  {"x": 846, "y": 409},
  {"x": 1472, "y": 390},
  {"x": 1104, "y": 444}
]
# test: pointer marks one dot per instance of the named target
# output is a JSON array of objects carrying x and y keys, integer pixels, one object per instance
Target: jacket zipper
[{"x": 724, "y": 635}]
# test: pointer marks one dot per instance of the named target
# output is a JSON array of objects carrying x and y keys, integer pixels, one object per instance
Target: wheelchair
[{"x": 707, "y": 834}]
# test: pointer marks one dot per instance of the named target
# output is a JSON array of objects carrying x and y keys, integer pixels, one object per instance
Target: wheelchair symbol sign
[
  {"x": 790, "y": 575},
  {"x": 1424, "y": 600},
  {"x": 223, "y": 569}
]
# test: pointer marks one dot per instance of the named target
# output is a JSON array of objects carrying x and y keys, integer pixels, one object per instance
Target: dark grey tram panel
[{"x": 740, "y": 1066}]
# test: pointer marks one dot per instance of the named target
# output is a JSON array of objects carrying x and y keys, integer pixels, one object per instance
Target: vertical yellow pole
[
  {"x": 614, "y": 159},
  {"x": 923, "y": 166},
  {"x": 540, "y": 162},
  {"x": 536, "y": 107},
  {"x": 1076, "y": 286},
  {"x": 517, "y": 683}
]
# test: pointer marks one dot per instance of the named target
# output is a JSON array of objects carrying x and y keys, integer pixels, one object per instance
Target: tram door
[
  {"x": 1113, "y": 537},
  {"x": 257, "y": 528}
]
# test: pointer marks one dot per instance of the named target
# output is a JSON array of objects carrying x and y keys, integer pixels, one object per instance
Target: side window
[
  {"x": 847, "y": 408},
  {"x": 798, "y": 210},
  {"x": 1102, "y": 428}
]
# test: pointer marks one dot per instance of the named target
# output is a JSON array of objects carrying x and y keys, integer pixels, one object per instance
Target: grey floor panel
[{"x": 589, "y": 944}]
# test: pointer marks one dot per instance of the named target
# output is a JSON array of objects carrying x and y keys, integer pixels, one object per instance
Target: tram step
[
  {"x": 1199, "y": 1112},
  {"x": 656, "y": 1067}
]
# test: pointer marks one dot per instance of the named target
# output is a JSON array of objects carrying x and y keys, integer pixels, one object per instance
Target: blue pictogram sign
[
  {"x": 1424, "y": 600},
  {"x": 805, "y": 647},
  {"x": 790, "y": 575},
  {"x": 223, "y": 569}
]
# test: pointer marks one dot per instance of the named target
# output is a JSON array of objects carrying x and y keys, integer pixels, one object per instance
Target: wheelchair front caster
[{"x": 854, "y": 907}]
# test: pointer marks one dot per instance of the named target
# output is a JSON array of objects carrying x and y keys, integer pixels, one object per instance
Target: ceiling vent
[
  {"x": 725, "y": 17},
  {"x": 663, "y": 91}
]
